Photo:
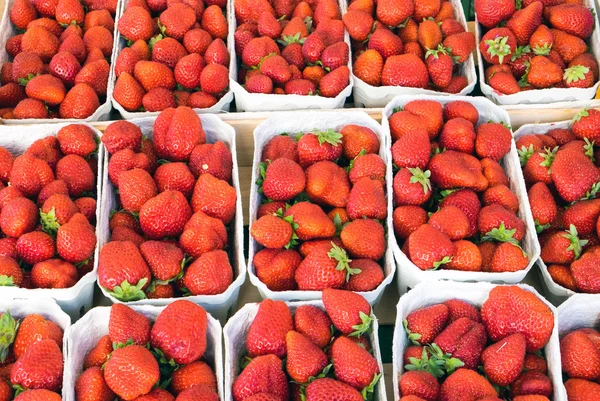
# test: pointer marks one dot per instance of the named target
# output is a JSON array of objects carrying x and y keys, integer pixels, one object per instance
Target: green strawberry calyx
[
  {"x": 543, "y": 50},
  {"x": 431, "y": 364},
  {"x": 525, "y": 153},
  {"x": 413, "y": 337},
  {"x": 520, "y": 52},
  {"x": 289, "y": 39},
  {"x": 351, "y": 164},
  {"x": 290, "y": 219},
  {"x": 589, "y": 149},
  {"x": 576, "y": 244},
  {"x": 367, "y": 392},
  {"x": 498, "y": 47},
  {"x": 127, "y": 292},
  {"x": 8, "y": 331},
  {"x": 166, "y": 366},
  {"x": 262, "y": 172},
  {"x": 539, "y": 228},
  {"x": 445, "y": 260},
  {"x": 25, "y": 81},
  {"x": 549, "y": 156},
  {"x": 592, "y": 193},
  {"x": 330, "y": 136},
  {"x": 449, "y": 363},
  {"x": 340, "y": 255},
  {"x": 421, "y": 177},
  {"x": 436, "y": 52},
  {"x": 337, "y": 222},
  {"x": 575, "y": 73},
  {"x": 364, "y": 326},
  {"x": 49, "y": 223},
  {"x": 501, "y": 234},
  {"x": 582, "y": 113},
  {"x": 6, "y": 281}
]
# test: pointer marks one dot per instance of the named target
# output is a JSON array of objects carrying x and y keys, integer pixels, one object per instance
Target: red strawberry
[
  {"x": 326, "y": 266},
  {"x": 194, "y": 374},
  {"x": 532, "y": 383},
  {"x": 364, "y": 239},
  {"x": 543, "y": 73},
  {"x": 584, "y": 274},
  {"x": 579, "y": 390},
  {"x": 407, "y": 219},
  {"x": 131, "y": 371},
  {"x": 423, "y": 325},
  {"x": 22, "y": 13},
  {"x": 439, "y": 65},
  {"x": 429, "y": 248},
  {"x": 330, "y": 389},
  {"x": 349, "y": 312},
  {"x": 497, "y": 45},
  {"x": 358, "y": 23},
  {"x": 419, "y": 385},
  {"x": 463, "y": 339},
  {"x": 121, "y": 266},
  {"x": 304, "y": 359},
  {"x": 525, "y": 21},
  {"x": 263, "y": 374},
  {"x": 453, "y": 169},
  {"x": 120, "y": 135},
  {"x": 585, "y": 123},
  {"x": 368, "y": 67},
  {"x": 543, "y": 205},
  {"x": 333, "y": 83},
  {"x": 580, "y": 170},
  {"x": 35, "y": 247},
  {"x": 267, "y": 332},
  {"x": 128, "y": 92},
  {"x": 214, "y": 197},
  {"x": 91, "y": 385},
  {"x": 210, "y": 274},
  {"x": 179, "y": 212},
  {"x": 466, "y": 383},
  {"x": 125, "y": 324},
  {"x": 319, "y": 146},
  {"x": 367, "y": 166},
  {"x": 394, "y": 13},
  {"x": 40, "y": 367},
  {"x": 490, "y": 13},
  {"x": 326, "y": 184},
  {"x": 394, "y": 72},
  {"x": 276, "y": 268},
  {"x": 353, "y": 364},
  {"x": 214, "y": 22},
  {"x": 459, "y": 108},
  {"x": 503, "y": 361},
  {"x": 577, "y": 348},
  {"x": 18, "y": 217},
  {"x": 313, "y": 323},
  {"x": 171, "y": 140},
  {"x": 76, "y": 240},
  {"x": 574, "y": 19}
]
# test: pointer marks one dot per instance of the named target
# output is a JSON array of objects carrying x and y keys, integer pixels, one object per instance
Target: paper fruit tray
[
  {"x": 539, "y": 96},
  {"x": 78, "y": 299},
  {"x": 7, "y": 31},
  {"x": 235, "y": 332},
  {"x": 366, "y": 95},
  {"x": 427, "y": 294},
  {"x": 120, "y": 43},
  {"x": 246, "y": 101},
  {"x": 305, "y": 121},
  {"x": 20, "y": 308},
  {"x": 555, "y": 292},
  {"x": 409, "y": 274},
  {"x": 217, "y": 305},
  {"x": 579, "y": 311},
  {"x": 84, "y": 335}
]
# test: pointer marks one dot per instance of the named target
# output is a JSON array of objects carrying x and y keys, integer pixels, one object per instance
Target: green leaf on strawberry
[
  {"x": 367, "y": 392},
  {"x": 421, "y": 177},
  {"x": 576, "y": 244},
  {"x": 330, "y": 136},
  {"x": 364, "y": 327},
  {"x": 525, "y": 153},
  {"x": 539, "y": 228},
  {"x": 501, "y": 234},
  {"x": 340, "y": 255},
  {"x": 8, "y": 331},
  {"x": 498, "y": 47},
  {"x": 49, "y": 223},
  {"x": 430, "y": 364},
  {"x": 127, "y": 292},
  {"x": 582, "y": 113},
  {"x": 6, "y": 281},
  {"x": 575, "y": 73},
  {"x": 444, "y": 261}
]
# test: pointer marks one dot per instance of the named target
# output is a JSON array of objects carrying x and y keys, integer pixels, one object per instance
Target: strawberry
[
  {"x": 332, "y": 84},
  {"x": 203, "y": 234},
  {"x": 584, "y": 273},
  {"x": 326, "y": 10},
  {"x": 407, "y": 219},
  {"x": 457, "y": 134},
  {"x": 195, "y": 374},
  {"x": 267, "y": 332},
  {"x": 574, "y": 19},
  {"x": 458, "y": 308},
  {"x": 583, "y": 216},
  {"x": 74, "y": 44},
  {"x": 128, "y": 92},
  {"x": 121, "y": 135},
  {"x": 77, "y": 174},
  {"x": 284, "y": 179},
  {"x": 501, "y": 195},
  {"x": 250, "y": 10},
  {"x": 586, "y": 60},
  {"x": 122, "y": 269},
  {"x": 22, "y": 13},
  {"x": 368, "y": 67},
  {"x": 214, "y": 79},
  {"x": 439, "y": 65},
  {"x": 177, "y": 20},
  {"x": 503, "y": 361},
  {"x": 175, "y": 177},
  {"x": 525, "y": 21},
  {"x": 491, "y": 13},
  {"x": 423, "y": 325},
  {"x": 510, "y": 310},
  {"x": 541, "y": 40},
  {"x": 543, "y": 205},
  {"x": 99, "y": 37},
  {"x": 335, "y": 55},
  {"x": 420, "y": 385},
  {"x": 358, "y": 23},
  {"x": 354, "y": 365},
  {"x": 460, "y": 45},
  {"x": 10, "y": 272},
  {"x": 493, "y": 141},
  {"x": 259, "y": 84},
  {"x": 532, "y": 383},
  {"x": 69, "y": 11},
  {"x": 210, "y": 274},
  {"x": 142, "y": 370},
  {"x": 577, "y": 348},
  {"x": 562, "y": 276},
  {"x": 394, "y": 72},
  {"x": 585, "y": 123},
  {"x": 46, "y": 88},
  {"x": 368, "y": 166},
  {"x": 453, "y": 169},
  {"x": 92, "y": 386},
  {"x": 11, "y": 94},
  {"x": 330, "y": 389},
  {"x": 158, "y": 99},
  {"x": 543, "y": 73},
  {"x": 386, "y": 43},
  {"x": 349, "y": 312},
  {"x": 18, "y": 217},
  {"x": 126, "y": 325},
  {"x": 99, "y": 18},
  {"x": 463, "y": 339},
  {"x": 171, "y": 226},
  {"x": 319, "y": 146},
  {"x": 171, "y": 140},
  {"x": 429, "y": 248},
  {"x": 429, "y": 34},
  {"x": 30, "y": 108},
  {"x": 300, "y": 87},
  {"x": 467, "y": 257},
  {"x": 314, "y": 324},
  {"x": 394, "y": 13},
  {"x": 30, "y": 174},
  {"x": 504, "y": 83},
  {"x": 34, "y": 328},
  {"x": 280, "y": 146},
  {"x": 364, "y": 239},
  {"x": 124, "y": 160},
  {"x": 500, "y": 224},
  {"x": 197, "y": 41},
  {"x": 451, "y": 221},
  {"x": 25, "y": 64},
  {"x": 214, "y": 22},
  {"x": 578, "y": 77},
  {"x": 151, "y": 74},
  {"x": 292, "y": 53},
  {"x": 535, "y": 362},
  {"x": 38, "y": 395},
  {"x": 370, "y": 276},
  {"x": 35, "y": 246},
  {"x": 497, "y": 45},
  {"x": 40, "y": 367},
  {"x": 460, "y": 108},
  {"x": 412, "y": 150},
  {"x": 263, "y": 374},
  {"x": 467, "y": 384},
  {"x": 431, "y": 112},
  {"x": 563, "y": 247},
  {"x": 183, "y": 343},
  {"x": 575, "y": 165},
  {"x": 76, "y": 240},
  {"x": 568, "y": 46},
  {"x": 367, "y": 199},
  {"x": 256, "y": 49},
  {"x": 579, "y": 390},
  {"x": 269, "y": 26},
  {"x": 80, "y": 102},
  {"x": 168, "y": 51},
  {"x": 304, "y": 358},
  {"x": 326, "y": 266},
  {"x": 276, "y": 268},
  {"x": 326, "y": 184},
  {"x": 164, "y": 259},
  {"x": 412, "y": 186},
  {"x": 214, "y": 197}
]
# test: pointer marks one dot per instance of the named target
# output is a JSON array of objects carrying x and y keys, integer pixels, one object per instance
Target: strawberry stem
[
  {"x": 576, "y": 243},
  {"x": 498, "y": 47},
  {"x": 501, "y": 234},
  {"x": 49, "y": 224},
  {"x": 422, "y": 177},
  {"x": 6, "y": 281},
  {"x": 127, "y": 292},
  {"x": 340, "y": 255},
  {"x": 575, "y": 73},
  {"x": 330, "y": 136},
  {"x": 8, "y": 331},
  {"x": 364, "y": 327}
]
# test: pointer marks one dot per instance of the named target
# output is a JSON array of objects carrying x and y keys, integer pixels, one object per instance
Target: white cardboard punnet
[
  {"x": 540, "y": 96},
  {"x": 20, "y": 308},
  {"x": 366, "y": 95},
  {"x": 409, "y": 274},
  {"x": 78, "y": 299},
  {"x": 306, "y": 121},
  {"x": 246, "y": 101},
  {"x": 84, "y": 335},
  {"x": 427, "y": 294},
  {"x": 235, "y": 332},
  {"x": 7, "y": 31},
  {"x": 120, "y": 43},
  {"x": 217, "y": 305}
]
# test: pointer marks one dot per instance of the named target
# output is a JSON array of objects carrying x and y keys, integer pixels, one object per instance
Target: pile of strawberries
[
  {"x": 177, "y": 204},
  {"x": 395, "y": 37},
  {"x": 48, "y": 210},
  {"x": 453, "y": 205},
  {"x": 561, "y": 172},
  {"x": 177, "y": 55},
  {"x": 140, "y": 359},
  {"x": 580, "y": 356},
  {"x": 291, "y": 47},
  {"x": 31, "y": 358},
  {"x": 324, "y": 203},
  {"x": 327, "y": 353},
  {"x": 492, "y": 354},
  {"x": 58, "y": 67},
  {"x": 544, "y": 44}
]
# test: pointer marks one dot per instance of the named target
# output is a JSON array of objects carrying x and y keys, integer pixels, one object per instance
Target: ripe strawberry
[
  {"x": 358, "y": 23},
  {"x": 326, "y": 266},
  {"x": 46, "y": 88},
  {"x": 175, "y": 177},
  {"x": 423, "y": 325},
  {"x": 503, "y": 361},
  {"x": 451, "y": 221},
  {"x": 11, "y": 94},
  {"x": 364, "y": 238},
  {"x": 386, "y": 43},
  {"x": 367, "y": 166},
  {"x": 22, "y": 13},
  {"x": 394, "y": 72},
  {"x": 453, "y": 169},
  {"x": 585, "y": 123},
  {"x": 439, "y": 65},
  {"x": 276, "y": 268},
  {"x": 463, "y": 339},
  {"x": 532, "y": 383},
  {"x": 563, "y": 247},
  {"x": 493, "y": 141},
  {"x": 80, "y": 102},
  {"x": 172, "y": 223},
  {"x": 124, "y": 160},
  {"x": 214, "y": 79},
  {"x": 577, "y": 349},
  {"x": 263, "y": 374},
  {"x": 141, "y": 367},
  {"x": 158, "y": 99},
  {"x": 429, "y": 248},
  {"x": 497, "y": 45},
  {"x": 151, "y": 74},
  {"x": 368, "y": 67},
  {"x": 510, "y": 310},
  {"x": 579, "y": 390},
  {"x": 491, "y": 13},
  {"x": 34, "y": 328},
  {"x": 38, "y": 395},
  {"x": 578, "y": 77},
  {"x": 25, "y": 64},
  {"x": 467, "y": 257},
  {"x": 77, "y": 139},
  {"x": 568, "y": 46},
  {"x": 18, "y": 217},
  {"x": 574, "y": 19},
  {"x": 394, "y": 13},
  {"x": 284, "y": 180},
  {"x": 504, "y": 83},
  {"x": 122, "y": 266},
  {"x": 461, "y": 45},
  {"x": 121, "y": 135},
  {"x": 256, "y": 49},
  {"x": 466, "y": 383},
  {"x": 562, "y": 276},
  {"x": 349, "y": 312},
  {"x": 195, "y": 374},
  {"x": 300, "y": 87},
  {"x": 583, "y": 216},
  {"x": 583, "y": 273},
  {"x": 210, "y": 274},
  {"x": 418, "y": 385},
  {"x": 430, "y": 111},
  {"x": 128, "y": 92},
  {"x": 412, "y": 150},
  {"x": 267, "y": 331},
  {"x": 10, "y": 272},
  {"x": 370, "y": 276},
  {"x": 412, "y": 186},
  {"x": 168, "y": 51},
  {"x": 76, "y": 240},
  {"x": 30, "y": 174},
  {"x": 326, "y": 184},
  {"x": 353, "y": 364},
  {"x": 280, "y": 146},
  {"x": 125, "y": 325},
  {"x": 543, "y": 73},
  {"x": 171, "y": 141},
  {"x": 572, "y": 163},
  {"x": 214, "y": 22},
  {"x": 314, "y": 324},
  {"x": 407, "y": 219},
  {"x": 214, "y": 197},
  {"x": 586, "y": 60},
  {"x": 543, "y": 205},
  {"x": 35, "y": 246},
  {"x": 77, "y": 174},
  {"x": 335, "y": 55},
  {"x": 525, "y": 21},
  {"x": 203, "y": 234},
  {"x": 92, "y": 386},
  {"x": 311, "y": 220},
  {"x": 332, "y": 84},
  {"x": 304, "y": 358},
  {"x": 40, "y": 367},
  {"x": 319, "y": 146}
]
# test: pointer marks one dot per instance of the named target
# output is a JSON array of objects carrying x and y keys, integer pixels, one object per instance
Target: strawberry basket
[
  {"x": 410, "y": 274},
  {"x": 246, "y": 101},
  {"x": 293, "y": 124},
  {"x": 83, "y": 337},
  {"x": 218, "y": 305},
  {"x": 8, "y": 30},
  {"x": 538, "y": 96},
  {"x": 76, "y": 300},
  {"x": 578, "y": 312},
  {"x": 378, "y": 96},
  {"x": 45, "y": 307},
  {"x": 236, "y": 331},
  {"x": 475, "y": 294}
]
